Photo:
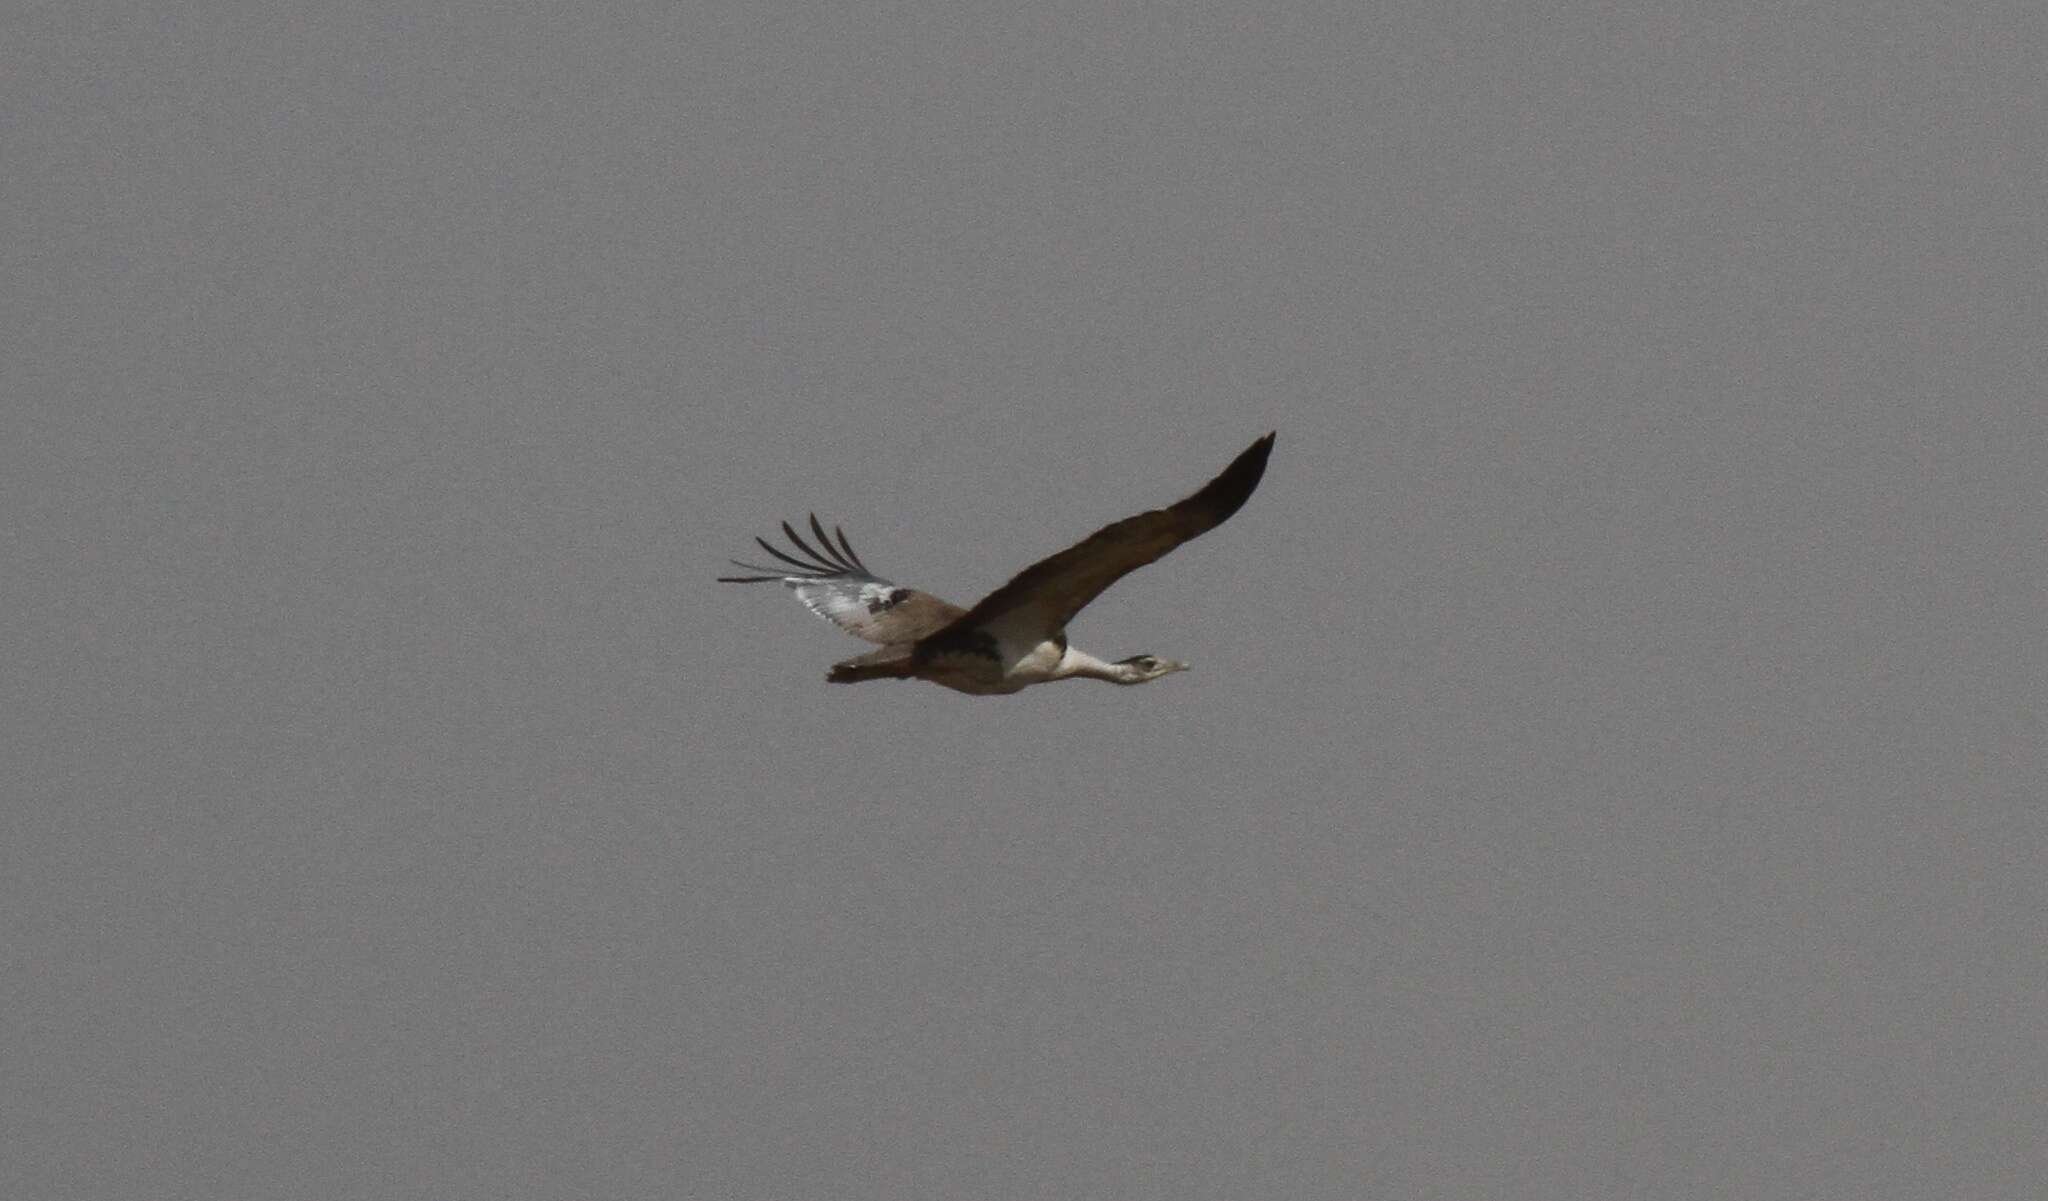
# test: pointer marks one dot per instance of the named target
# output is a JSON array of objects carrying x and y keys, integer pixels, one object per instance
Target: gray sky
[{"x": 1612, "y": 765}]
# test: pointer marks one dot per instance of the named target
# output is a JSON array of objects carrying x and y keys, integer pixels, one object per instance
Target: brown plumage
[
  {"x": 1015, "y": 636},
  {"x": 1046, "y": 595}
]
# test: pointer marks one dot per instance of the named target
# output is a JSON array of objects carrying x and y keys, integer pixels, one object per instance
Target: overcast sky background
[{"x": 1612, "y": 764}]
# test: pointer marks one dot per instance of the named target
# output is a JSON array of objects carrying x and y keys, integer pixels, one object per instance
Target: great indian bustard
[{"x": 1017, "y": 635}]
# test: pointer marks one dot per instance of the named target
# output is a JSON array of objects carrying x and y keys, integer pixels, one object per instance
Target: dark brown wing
[
  {"x": 838, "y": 587},
  {"x": 1046, "y": 595}
]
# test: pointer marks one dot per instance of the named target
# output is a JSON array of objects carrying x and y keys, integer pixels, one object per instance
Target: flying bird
[{"x": 1015, "y": 636}]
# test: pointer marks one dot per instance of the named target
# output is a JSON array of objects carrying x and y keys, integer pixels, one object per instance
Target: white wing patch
[
  {"x": 846, "y": 602},
  {"x": 832, "y": 582}
]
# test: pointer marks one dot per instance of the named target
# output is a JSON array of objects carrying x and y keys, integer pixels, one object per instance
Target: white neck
[{"x": 1082, "y": 665}]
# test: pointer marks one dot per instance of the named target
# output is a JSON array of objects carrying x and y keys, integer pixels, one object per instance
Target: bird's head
[{"x": 1140, "y": 668}]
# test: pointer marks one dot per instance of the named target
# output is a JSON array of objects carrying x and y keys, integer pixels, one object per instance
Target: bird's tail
[{"x": 889, "y": 663}]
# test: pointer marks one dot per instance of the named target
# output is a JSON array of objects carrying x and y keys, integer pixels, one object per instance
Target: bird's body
[
  {"x": 1011, "y": 668},
  {"x": 1016, "y": 636}
]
